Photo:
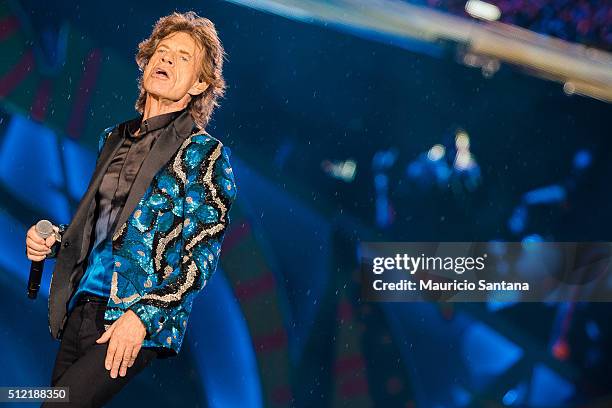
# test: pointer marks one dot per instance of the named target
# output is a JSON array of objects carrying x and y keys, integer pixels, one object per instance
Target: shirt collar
[
  {"x": 153, "y": 123},
  {"x": 184, "y": 124}
]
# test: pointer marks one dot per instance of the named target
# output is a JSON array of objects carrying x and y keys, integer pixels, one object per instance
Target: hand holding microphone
[
  {"x": 37, "y": 246},
  {"x": 39, "y": 240}
]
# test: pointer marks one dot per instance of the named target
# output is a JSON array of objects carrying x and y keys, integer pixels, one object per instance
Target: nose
[{"x": 167, "y": 58}]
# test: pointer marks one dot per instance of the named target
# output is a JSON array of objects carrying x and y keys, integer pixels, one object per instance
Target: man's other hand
[{"x": 126, "y": 335}]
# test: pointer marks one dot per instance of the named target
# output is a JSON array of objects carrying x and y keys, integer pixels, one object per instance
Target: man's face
[{"x": 172, "y": 71}]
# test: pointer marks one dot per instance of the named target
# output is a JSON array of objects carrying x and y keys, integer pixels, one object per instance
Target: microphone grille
[{"x": 44, "y": 228}]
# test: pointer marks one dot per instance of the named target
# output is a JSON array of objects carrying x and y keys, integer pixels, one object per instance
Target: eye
[{"x": 185, "y": 58}]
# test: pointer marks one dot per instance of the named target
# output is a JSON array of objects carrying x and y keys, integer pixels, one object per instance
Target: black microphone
[{"x": 44, "y": 229}]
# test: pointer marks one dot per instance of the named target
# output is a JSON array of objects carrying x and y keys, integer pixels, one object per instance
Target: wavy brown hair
[{"x": 203, "y": 31}]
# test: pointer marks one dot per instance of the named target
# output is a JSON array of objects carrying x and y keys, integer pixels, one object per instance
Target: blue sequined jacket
[{"x": 169, "y": 245}]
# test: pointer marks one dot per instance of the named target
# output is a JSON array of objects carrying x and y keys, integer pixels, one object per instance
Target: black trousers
[{"x": 80, "y": 361}]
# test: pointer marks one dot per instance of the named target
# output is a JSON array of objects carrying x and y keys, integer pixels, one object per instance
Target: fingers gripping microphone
[{"x": 44, "y": 229}]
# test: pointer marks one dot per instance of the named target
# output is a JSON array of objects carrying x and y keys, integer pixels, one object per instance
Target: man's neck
[{"x": 155, "y": 105}]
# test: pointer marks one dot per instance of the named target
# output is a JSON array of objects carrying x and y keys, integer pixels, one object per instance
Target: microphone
[{"x": 44, "y": 229}]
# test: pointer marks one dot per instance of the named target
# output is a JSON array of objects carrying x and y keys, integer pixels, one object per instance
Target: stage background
[{"x": 340, "y": 131}]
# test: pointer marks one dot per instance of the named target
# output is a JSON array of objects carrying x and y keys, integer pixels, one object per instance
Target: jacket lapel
[{"x": 167, "y": 143}]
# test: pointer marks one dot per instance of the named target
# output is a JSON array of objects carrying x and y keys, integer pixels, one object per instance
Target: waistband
[{"x": 87, "y": 298}]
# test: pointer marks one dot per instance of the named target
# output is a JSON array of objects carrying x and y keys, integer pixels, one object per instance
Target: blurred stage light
[
  {"x": 464, "y": 160},
  {"x": 436, "y": 152},
  {"x": 592, "y": 330},
  {"x": 518, "y": 220},
  {"x": 462, "y": 140},
  {"x": 482, "y": 10},
  {"x": 384, "y": 159},
  {"x": 435, "y": 167},
  {"x": 532, "y": 238},
  {"x": 582, "y": 159},
  {"x": 515, "y": 396},
  {"x": 490, "y": 68},
  {"x": 552, "y": 194},
  {"x": 344, "y": 170}
]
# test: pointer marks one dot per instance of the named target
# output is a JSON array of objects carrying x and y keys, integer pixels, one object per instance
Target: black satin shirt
[{"x": 124, "y": 167}]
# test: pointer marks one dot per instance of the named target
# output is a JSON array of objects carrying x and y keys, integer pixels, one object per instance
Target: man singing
[{"x": 147, "y": 234}]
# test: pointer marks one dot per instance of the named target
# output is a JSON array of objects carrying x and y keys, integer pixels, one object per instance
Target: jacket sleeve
[
  {"x": 55, "y": 248},
  {"x": 210, "y": 191}
]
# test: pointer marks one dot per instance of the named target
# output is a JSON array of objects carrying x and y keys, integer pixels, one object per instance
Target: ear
[{"x": 198, "y": 87}]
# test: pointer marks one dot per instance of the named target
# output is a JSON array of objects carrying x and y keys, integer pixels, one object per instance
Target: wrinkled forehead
[{"x": 181, "y": 40}]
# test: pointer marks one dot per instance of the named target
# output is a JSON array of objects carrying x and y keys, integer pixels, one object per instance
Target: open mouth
[{"x": 160, "y": 73}]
